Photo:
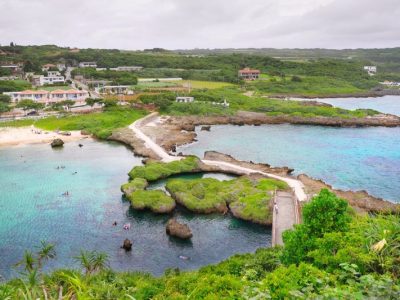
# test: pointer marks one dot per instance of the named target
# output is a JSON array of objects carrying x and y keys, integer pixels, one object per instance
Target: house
[
  {"x": 47, "y": 67},
  {"x": 370, "y": 69},
  {"x": 48, "y": 97},
  {"x": 61, "y": 67},
  {"x": 51, "y": 80},
  {"x": 88, "y": 64},
  {"x": 40, "y": 80},
  {"x": 249, "y": 74},
  {"x": 184, "y": 99},
  {"x": 53, "y": 73},
  {"x": 15, "y": 69}
]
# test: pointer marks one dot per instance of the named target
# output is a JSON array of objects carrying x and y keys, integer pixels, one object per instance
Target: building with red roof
[{"x": 249, "y": 74}]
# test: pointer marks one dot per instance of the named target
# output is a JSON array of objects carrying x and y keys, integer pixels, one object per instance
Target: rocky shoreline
[{"x": 172, "y": 132}]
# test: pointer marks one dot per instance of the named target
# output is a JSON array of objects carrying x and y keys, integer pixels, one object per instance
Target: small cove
[{"x": 32, "y": 209}]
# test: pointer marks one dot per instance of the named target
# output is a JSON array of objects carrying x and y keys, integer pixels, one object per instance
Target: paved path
[{"x": 284, "y": 216}]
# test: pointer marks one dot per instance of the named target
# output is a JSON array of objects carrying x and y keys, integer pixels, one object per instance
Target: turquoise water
[
  {"x": 32, "y": 209},
  {"x": 386, "y": 104},
  {"x": 347, "y": 158}
]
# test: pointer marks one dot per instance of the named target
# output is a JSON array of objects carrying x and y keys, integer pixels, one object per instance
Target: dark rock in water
[
  {"x": 80, "y": 145},
  {"x": 127, "y": 245},
  {"x": 205, "y": 128},
  {"x": 180, "y": 154},
  {"x": 85, "y": 132},
  {"x": 182, "y": 231},
  {"x": 173, "y": 148},
  {"x": 57, "y": 143},
  {"x": 65, "y": 133}
]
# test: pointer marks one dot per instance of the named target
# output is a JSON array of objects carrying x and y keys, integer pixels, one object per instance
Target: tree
[
  {"x": 27, "y": 104},
  {"x": 92, "y": 261},
  {"x": 323, "y": 214},
  {"x": 326, "y": 213},
  {"x": 92, "y": 101},
  {"x": 46, "y": 251},
  {"x": 5, "y": 98},
  {"x": 4, "y": 103}
]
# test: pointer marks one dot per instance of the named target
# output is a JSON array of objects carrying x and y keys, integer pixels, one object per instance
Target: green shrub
[{"x": 157, "y": 170}]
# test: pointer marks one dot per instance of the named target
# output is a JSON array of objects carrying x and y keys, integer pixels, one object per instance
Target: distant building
[
  {"x": 48, "y": 97},
  {"x": 249, "y": 74},
  {"x": 61, "y": 67},
  {"x": 6, "y": 78},
  {"x": 127, "y": 68},
  {"x": 184, "y": 99},
  {"x": 13, "y": 68},
  {"x": 114, "y": 90},
  {"x": 88, "y": 64},
  {"x": 47, "y": 67},
  {"x": 40, "y": 80},
  {"x": 53, "y": 73},
  {"x": 370, "y": 69}
]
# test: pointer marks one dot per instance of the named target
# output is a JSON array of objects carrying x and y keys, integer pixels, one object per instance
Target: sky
[{"x": 188, "y": 24}]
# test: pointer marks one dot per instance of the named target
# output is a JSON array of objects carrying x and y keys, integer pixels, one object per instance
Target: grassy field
[
  {"x": 17, "y": 123},
  {"x": 196, "y": 84},
  {"x": 240, "y": 102},
  {"x": 308, "y": 86},
  {"x": 99, "y": 124}
]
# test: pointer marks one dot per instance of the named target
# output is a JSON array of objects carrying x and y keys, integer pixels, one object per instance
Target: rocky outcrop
[
  {"x": 251, "y": 118},
  {"x": 361, "y": 201},
  {"x": 57, "y": 143},
  {"x": 127, "y": 245},
  {"x": 174, "y": 228},
  {"x": 128, "y": 137},
  {"x": 205, "y": 128},
  {"x": 217, "y": 156}
]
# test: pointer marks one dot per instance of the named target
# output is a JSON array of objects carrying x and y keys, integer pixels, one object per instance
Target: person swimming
[{"x": 127, "y": 226}]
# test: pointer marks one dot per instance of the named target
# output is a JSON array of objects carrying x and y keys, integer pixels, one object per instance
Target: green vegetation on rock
[
  {"x": 154, "y": 170},
  {"x": 247, "y": 198},
  {"x": 356, "y": 259},
  {"x": 134, "y": 185},
  {"x": 155, "y": 200}
]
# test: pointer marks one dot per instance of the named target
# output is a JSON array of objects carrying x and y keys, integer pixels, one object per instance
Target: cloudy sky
[{"x": 184, "y": 24}]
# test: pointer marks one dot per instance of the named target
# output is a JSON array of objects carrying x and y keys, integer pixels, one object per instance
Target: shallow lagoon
[
  {"x": 347, "y": 158},
  {"x": 32, "y": 208}
]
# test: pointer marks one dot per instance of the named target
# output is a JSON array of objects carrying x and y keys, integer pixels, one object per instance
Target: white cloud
[{"x": 172, "y": 24}]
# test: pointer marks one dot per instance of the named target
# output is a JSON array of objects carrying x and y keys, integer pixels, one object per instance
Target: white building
[
  {"x": 127, "y": 68},
  {"x": 370, "y": 69},
  {"x": 53, "y": 73},
  {"x": 48, "y": 97},
  {"x": 184, "y": 99},
  {"x": 88, "y": 64}
]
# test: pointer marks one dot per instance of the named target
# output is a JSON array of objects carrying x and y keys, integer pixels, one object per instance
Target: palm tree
[
  {"x": 85, "y": 259},
  {"x": 46, "y": 251},
  {"x": 100, "y": 261},
  {"x": 92, "y": 261},
  {"x": 28, "y": 261}
]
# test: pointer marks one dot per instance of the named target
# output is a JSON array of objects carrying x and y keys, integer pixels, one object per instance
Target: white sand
[{"x": 26, "y": 135}]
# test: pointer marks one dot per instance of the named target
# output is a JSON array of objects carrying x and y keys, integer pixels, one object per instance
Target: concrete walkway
[{"x": 284, "y": 216}]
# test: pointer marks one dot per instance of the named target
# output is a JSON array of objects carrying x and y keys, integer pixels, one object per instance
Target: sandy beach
[{"x": 30, "y": 135}]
